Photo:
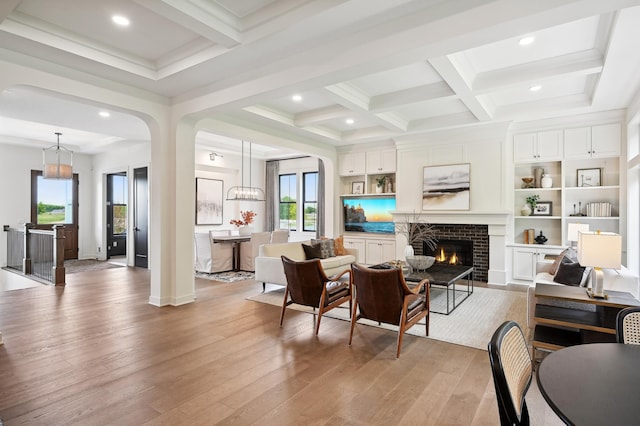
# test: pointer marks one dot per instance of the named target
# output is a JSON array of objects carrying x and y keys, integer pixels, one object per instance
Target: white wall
[{"x": 16, "y": 163}]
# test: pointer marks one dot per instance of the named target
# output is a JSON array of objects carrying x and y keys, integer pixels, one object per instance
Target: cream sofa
[
  {"x": 269, "y": 267},
  {"x": 622, "y": 280}
]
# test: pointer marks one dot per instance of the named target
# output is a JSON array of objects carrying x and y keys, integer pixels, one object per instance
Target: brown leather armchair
[
  {"x": 308, "y": 285},
  {"x": 382, "y": 295}
]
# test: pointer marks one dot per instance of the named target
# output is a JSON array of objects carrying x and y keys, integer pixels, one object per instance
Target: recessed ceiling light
[
  {"x": 535, "y": 88},
  {"x": 104, "y": 114},
  {"x": 120, "y": 20},
  {"x": 527, "y": 40},
  {"x": 349, "y": 121},
  {"x": 296, "y": 98}
]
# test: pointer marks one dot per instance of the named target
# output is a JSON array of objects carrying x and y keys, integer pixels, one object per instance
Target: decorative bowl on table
[{"x": 420, "y": 262}]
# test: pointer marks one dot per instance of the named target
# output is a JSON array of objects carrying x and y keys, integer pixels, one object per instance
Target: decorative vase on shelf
[
  {"x": 408, "y": 251},
  {"x": 537, "y": 176},
  {"x": 546, "y": 181},
  {"x": 525, "y": 210},
  {"x": 378, "y": 189},
  {"x": 541, "y": 239}
]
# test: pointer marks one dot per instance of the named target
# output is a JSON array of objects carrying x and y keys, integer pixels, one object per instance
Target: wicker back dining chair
[
  {"x": 512, "y": 370},
  {"x": 308, "y": 285},
  {"x": 628, "y": 326},
  {"x": 382, "y": 295}
]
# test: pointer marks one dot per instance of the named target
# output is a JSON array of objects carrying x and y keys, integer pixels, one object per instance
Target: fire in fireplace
[{"x": 454, "y": 252}]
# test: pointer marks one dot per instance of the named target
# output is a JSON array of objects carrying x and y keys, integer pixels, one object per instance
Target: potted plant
[
  {"x": 380, "y": 182},
  {"x": 532, "y": 202},
  {"x": 243, "y": 224}
]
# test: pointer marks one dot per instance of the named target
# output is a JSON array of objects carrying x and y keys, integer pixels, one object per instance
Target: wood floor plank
[{"x": 96, "y": 352}]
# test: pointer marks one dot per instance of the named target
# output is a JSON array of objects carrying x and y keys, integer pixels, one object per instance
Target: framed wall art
[
  {"x": 542, "y": 208},
  {"x": 357, "y": 188},
  {"x": 446, "y": 187},
  {"x": 589, "y": 177},
  {"x": 209, "y": 201}
]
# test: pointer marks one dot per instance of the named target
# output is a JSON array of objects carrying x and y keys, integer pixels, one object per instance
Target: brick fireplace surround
[
  {"x": 487, "y": 230},
  {"x": 478, "y": 234}
]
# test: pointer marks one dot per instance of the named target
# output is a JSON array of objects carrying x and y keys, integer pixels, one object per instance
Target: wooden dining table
[
  {"x": 235, "y": 240},
  {"x": 593, "y": 384}
]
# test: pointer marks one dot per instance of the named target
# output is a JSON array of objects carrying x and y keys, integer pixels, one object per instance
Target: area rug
[
  {"x": 227, "y": 277},
  {"x": 471, "y": 324},
  {"x": 87, "y": 265}
]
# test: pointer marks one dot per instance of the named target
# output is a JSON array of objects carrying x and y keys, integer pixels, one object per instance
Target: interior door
[
  {"x": 117, "y": 195},
  {"x": 55, "y": 202},
  {"x": 141, "y": 217}
]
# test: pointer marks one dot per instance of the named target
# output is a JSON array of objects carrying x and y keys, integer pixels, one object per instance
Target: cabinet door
[
  {"x": 381, "y": 161},
  {"x": 352, "y": 164},
  {"x": 549, "y": 145},
  {"x": 577, "y": 143},
  {"x": 388, "y": 250},
  {"x": 605, "y": 140},
  {"x": 356, "y": 244},
  {"x": 524, "y": 263},
  {"x": 524, "y": 147}
]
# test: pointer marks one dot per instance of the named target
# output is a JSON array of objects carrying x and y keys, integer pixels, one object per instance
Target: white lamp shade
[
  {"x": 57, "y": 171},
  {"x": 600, "y": 249},
  {"x": 574, "y": 228}
]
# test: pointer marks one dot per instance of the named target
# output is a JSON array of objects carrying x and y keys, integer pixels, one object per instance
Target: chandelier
[
  {"x": 245, "y": 193},
  {"x": 57, "y": 162}
]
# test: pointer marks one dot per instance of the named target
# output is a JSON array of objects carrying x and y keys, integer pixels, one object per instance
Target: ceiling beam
[
  {"x": 221, "y": 28},
  {"x": 453, "y": 77},
  {"x": 391, "y": 100},
  {"x": 320, "y": 115}
]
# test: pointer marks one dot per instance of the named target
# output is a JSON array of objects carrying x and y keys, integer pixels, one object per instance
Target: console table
[{"x": 558, "y": 327}]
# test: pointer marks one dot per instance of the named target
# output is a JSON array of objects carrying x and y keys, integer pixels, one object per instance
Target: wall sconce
[{"x": 213, "y": 156}]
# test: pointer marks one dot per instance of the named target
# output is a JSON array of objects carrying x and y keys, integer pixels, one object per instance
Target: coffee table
[{"x": 444, "y": 275}]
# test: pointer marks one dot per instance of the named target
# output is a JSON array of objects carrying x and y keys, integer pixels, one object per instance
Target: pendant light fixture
[
  {"x": 57, "y": 161},
  {"x": 245, "y": 193}
]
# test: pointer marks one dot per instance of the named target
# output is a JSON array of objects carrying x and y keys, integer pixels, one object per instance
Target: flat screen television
[{"x": 368, "y": 214}]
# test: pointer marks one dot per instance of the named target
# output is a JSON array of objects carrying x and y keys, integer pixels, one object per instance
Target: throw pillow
[
  {"x": 557, "y": 261},
  {"x": 338, "y": 246},
  {"x": 312, "y": 252},
  {"x": 327, "y": 247},
  {"x": 569, "y": 273}
]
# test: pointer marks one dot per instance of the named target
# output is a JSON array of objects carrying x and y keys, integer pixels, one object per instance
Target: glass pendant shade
[
  {"x": 57, "y": 162},
  {"x": 245, "y": 193}
]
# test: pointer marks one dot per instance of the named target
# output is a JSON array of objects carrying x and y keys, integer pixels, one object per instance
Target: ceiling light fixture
[
  {"x": 104, "y": 114},
  {"x": 120, "y": 20},
  {"x": 524, "y": 41},
  {"x": 535, "y": 88},
  {"x": 54, "y": 165},
  {"x": 349, "y": 121},
  {"x": 296, "y": 98},
  {"x": 213, "y": 156},
  {"x": 245, "y": 193}
]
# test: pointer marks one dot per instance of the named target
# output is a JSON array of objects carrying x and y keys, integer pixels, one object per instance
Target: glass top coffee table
[{"x": 447, "y": 276}]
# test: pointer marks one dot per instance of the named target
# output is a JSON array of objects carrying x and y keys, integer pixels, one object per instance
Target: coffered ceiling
[{"x": 365, "y": 70}]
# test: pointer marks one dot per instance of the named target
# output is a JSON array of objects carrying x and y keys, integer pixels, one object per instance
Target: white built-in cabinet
[
  {"x": 592, "y": 142},
  {"x": 538, "y": 146},
  {"x": 566, "y": 152},
  {"x": 371, "y": 249},
  {"x": 363, "y": 169},
  {"x": 526, "y": 258}
]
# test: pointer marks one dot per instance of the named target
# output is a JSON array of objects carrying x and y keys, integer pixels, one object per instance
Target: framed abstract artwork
[
  {"x": 209, "y": 201},
  {"x": 446, "y": 187}
]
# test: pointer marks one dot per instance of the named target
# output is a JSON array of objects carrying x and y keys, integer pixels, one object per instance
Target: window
[
  {"x": 310, "y": 201},
  {"x": 119, "y": 211},
  {"x": 54, "y": 201},
  {"x": 288, "y": 205}
]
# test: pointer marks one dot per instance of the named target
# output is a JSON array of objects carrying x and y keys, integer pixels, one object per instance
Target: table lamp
[
  {"x": 572, "y": 232},
  {"x": 599, "y": 250}
]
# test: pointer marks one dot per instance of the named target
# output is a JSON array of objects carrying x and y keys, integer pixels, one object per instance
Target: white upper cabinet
[
  {"x": 540, "y": 146},
  {"x": 381, "y": 161},
  {"x": 352, "y": 164},
  {"x": 592, "y": 142}
]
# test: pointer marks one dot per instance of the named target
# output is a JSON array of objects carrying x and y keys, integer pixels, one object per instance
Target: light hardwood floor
[{"x": 96, "y": 353}]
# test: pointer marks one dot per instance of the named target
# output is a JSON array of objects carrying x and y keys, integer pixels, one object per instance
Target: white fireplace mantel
[{"x": 497, "y": 228}]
